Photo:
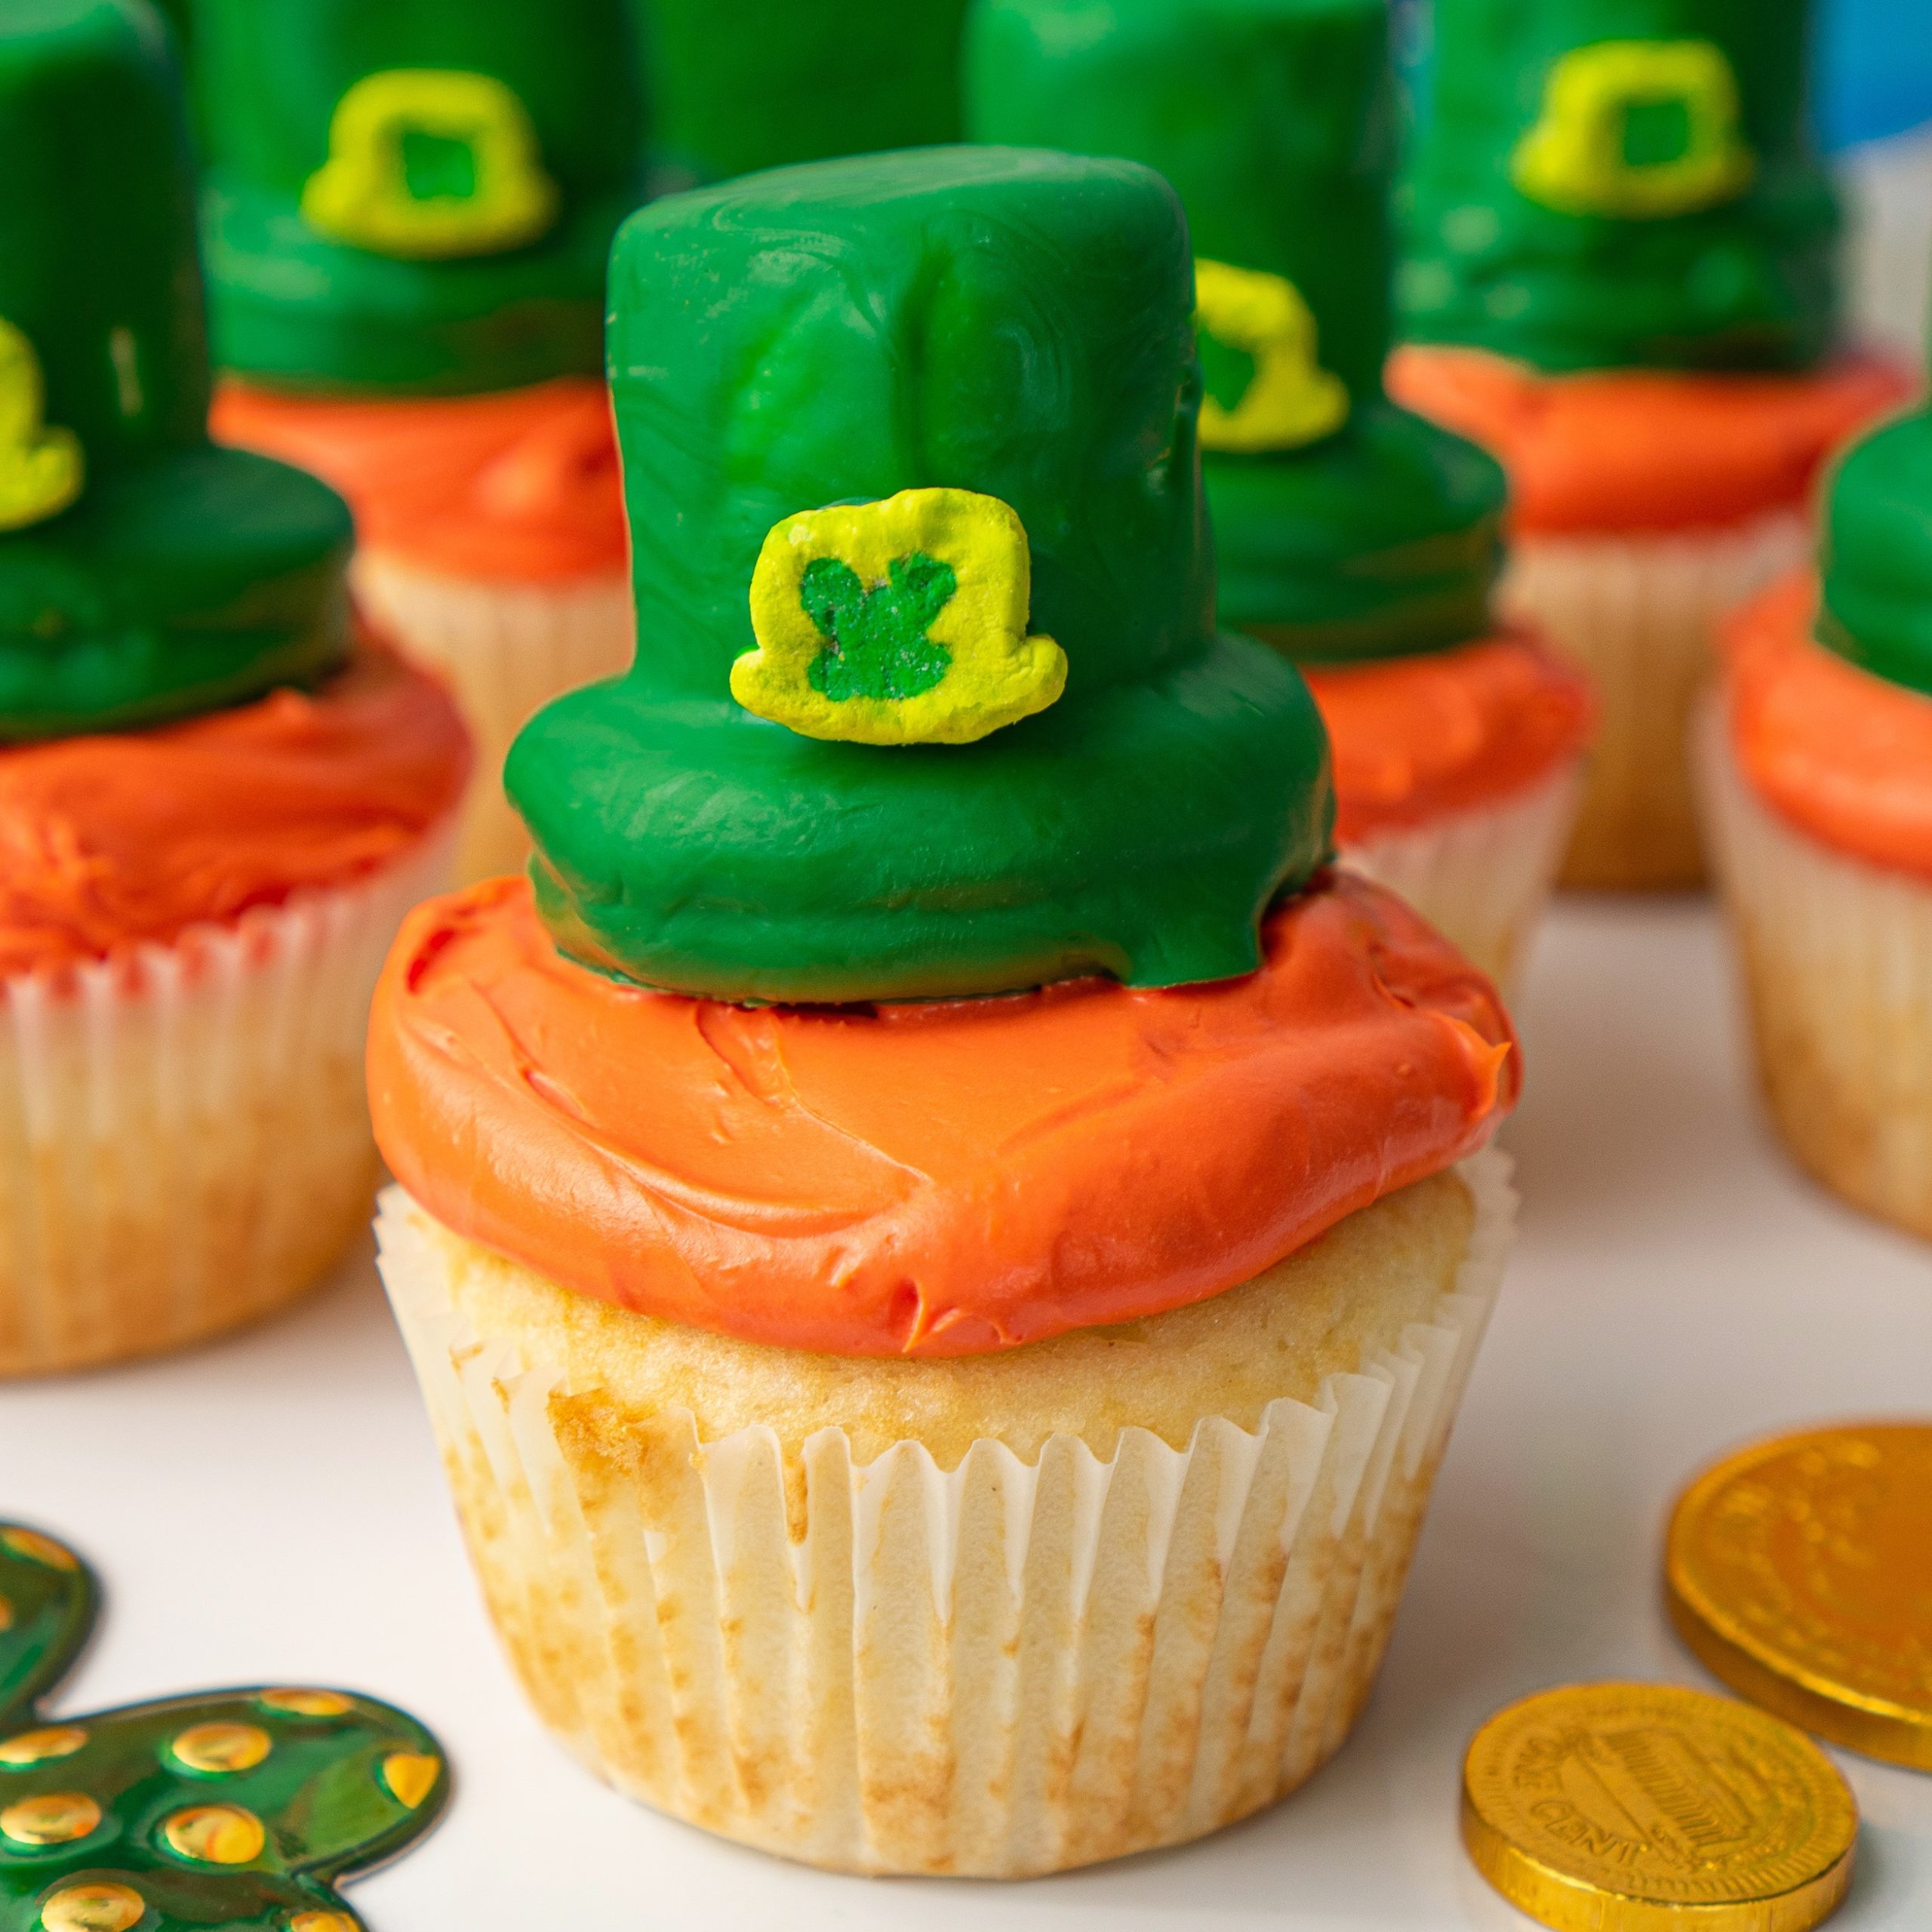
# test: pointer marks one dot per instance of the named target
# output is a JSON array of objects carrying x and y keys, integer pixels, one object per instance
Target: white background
[{"x": 270, "y": 1509}]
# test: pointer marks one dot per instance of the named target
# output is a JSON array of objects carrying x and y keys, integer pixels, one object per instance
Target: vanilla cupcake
[
  {"x": 1358, "y": 539},
  {"x": 941, "y": 1242},
  {"x": 214, "y": 809},
  {"x": 1618, "y": 276},
  {"x": 406, "y": 213},
  {"x": 1818, "y": 768}
]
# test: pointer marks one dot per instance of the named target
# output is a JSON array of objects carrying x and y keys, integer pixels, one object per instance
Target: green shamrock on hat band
[{"x": 236, "y": 1809}]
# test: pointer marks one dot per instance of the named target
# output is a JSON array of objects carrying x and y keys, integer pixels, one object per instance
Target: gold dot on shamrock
[
  {"x": 53, "y": 1817},
  {"x": 241, "y": 1807},
  {"x": 97, "y": 1907},
  {"x": 36, "y": 1747},
  {"x": 216, "y": 1748}
]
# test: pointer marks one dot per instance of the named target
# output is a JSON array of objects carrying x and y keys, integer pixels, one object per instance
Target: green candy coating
[
  {"x": 299, "y": 308},
  {"x": 766, "y": 83},
  {"x": 1015, "y": 324},
  {"x": 1741, "y": 277},
  {"x": 321, "y": 1789},
  {"x": 182, "y": 576},
  {"x": 1876, "y": 554},
  {"x": 1275, "y": 121}
]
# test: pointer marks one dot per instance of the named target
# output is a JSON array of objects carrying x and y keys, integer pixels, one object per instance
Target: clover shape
[
  {"x": 901, "y": 622},
  {"x": 237, "y": 1809}
]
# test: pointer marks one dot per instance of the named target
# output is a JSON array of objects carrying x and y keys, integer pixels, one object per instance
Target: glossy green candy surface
[
  {"x": 1877, "y": 554},
  {"x": 1275, "y": 121},
  {"x": 240, "y": 1809},
  {"x": 144, "y": 574},
  {"x": 1611, "y": 183},
  {"x": 764, "y": 83},
  {"x": 411, "y": 278},
  {"x": 1009, "y": 323}
]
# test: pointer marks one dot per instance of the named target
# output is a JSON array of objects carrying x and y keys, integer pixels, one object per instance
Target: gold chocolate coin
[
  {"x": 1800, "y": 1572},
  {"x": 1646, "y": 1807}
]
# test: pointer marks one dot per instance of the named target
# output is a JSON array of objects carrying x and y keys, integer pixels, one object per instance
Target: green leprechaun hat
[
  {"x": 1345, "y": 527},
  {"x": 144, "y": 574},
  {"x": 1875, "y": 553},
  {"x": 414, "y": 196},
  {"x": 928, "y": 698},
  {"x": 1613, "y": 183},
  {"x": 764, "y": 83}
]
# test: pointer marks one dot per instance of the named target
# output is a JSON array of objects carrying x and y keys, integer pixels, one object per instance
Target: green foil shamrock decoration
[{"x": 236, "y": 1809}]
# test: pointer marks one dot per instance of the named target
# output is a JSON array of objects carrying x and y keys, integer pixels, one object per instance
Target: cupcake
[
  {"x": 405, "y": 216},
  {"x": 763, "y": 82},
  {"x": 941, "y": 1241},
  {"x": 213, "y": 808},
  {"x": 1618, "y": 275},
  {"x": 1356, "y": 538},
  {"x": 1818, "y": 768}
]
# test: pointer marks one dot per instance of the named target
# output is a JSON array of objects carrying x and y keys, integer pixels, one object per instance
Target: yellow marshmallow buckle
[
  {"x": 1584, "y": 156},
  {"x": 897, "y": 623},
  {"x": 1291, "y": 399}
]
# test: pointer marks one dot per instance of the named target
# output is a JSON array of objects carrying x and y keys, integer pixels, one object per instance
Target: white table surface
[{"x": 270, "y": 1509}]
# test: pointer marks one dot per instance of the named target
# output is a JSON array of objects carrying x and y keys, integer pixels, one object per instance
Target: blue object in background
[
  {"x": 1874, "y": 65},
  {"x": 1874, "y": 68}
]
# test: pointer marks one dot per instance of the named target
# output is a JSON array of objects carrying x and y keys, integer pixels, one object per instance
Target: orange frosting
[
  {"x": 1416, "y": 738},
  {"x": 521, "y": 486},
  {"x": 1842, "y": 755},
  {"x": 135, "y": 836},
  {"x": 1647, "y": 449},
  {"x": 943, "y": 1179}
]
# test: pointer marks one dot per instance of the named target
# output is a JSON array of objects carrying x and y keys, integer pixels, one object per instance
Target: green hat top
[
  {"x": 756, "y": 84},
  {"x": 1876, "y": 553},
  {"x": 1613, "y": 183},
  {"x": 413, "y": 195},
  {"x": 928, "y": 698},
  {"x": 1345, "y": 527},
  {"x": 144, "y": 574}
]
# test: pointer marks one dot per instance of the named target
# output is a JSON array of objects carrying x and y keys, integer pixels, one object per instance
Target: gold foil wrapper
[
  {"x": 1647, "y": 1807},
  {"x": 1800, "y": 1572}
]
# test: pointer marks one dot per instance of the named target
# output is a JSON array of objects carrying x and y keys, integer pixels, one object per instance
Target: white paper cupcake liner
[
  {"x": 1640, "y": 614},
  {"x": 506, "y": 650},
  {"x": 1482, "y": 876},
  {"x": 998, "y": 1669},
  {"x": 1836, "y": 958},
  {"x": 184, "y": 1137}
]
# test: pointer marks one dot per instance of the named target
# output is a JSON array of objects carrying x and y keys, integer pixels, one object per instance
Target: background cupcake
[
  {"x": 1819, "y": 770},
  {"x": 934, "y": 1421},
  {"x": 212, "y": 813},
  {"x": 406, "y": 216},
  {"x": 763, "y": 82},
  {"x": 1359, "y": 538},
  {"x": 1619, "y": 275}
]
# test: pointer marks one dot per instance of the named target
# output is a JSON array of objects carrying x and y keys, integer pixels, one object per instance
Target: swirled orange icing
[
  {"x": 943, "y": 1178},
  {"x": 1841, "y": 753},
  {"x": 1415, "y": 738},
  {"x": 1647, "y": 449},
  {"x": 109, "y": 840},
  {"x": 521, "y": 486}
]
